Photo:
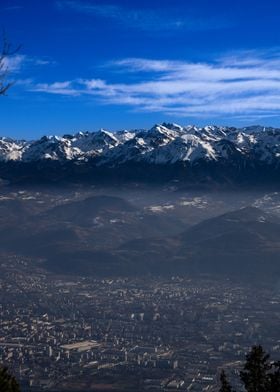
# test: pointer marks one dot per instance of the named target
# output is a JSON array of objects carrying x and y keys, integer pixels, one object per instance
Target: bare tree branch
[{"x": 6, "y": 52}]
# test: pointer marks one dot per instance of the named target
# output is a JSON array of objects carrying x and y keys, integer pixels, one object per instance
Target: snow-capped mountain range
[{"x": 163, "y": 145}]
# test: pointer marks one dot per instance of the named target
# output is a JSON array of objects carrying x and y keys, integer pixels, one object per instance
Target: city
[{"x": 77, "y": 333}]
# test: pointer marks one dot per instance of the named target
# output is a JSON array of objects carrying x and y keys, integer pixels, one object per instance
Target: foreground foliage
[
  {"x": 259, "y": 374},
  {"x": 8, "y": 383}
]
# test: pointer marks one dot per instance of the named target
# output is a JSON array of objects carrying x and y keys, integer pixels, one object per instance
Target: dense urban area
[{"x": 78, "y": 333}]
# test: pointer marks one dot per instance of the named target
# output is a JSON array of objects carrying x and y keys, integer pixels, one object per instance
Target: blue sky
[{"x": 87, "y": 64}]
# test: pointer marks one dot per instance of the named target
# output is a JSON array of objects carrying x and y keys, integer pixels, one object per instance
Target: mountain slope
[
  {"x": 165, "y": 152},
  {"x": 243, "y": 243},
  {"x": 78, "y": 232},
  {"x": 107, "y": 235}
]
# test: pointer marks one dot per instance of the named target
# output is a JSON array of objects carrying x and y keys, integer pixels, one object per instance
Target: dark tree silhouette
[
  {"x": 8, "y": 383},
  {"x": 255, "y": 375},
  {"x": 6, "y": 52},
  {"x": 259, "y": 374},
  {"x": 275, "y": 377},
  {"x": 225, "y": 385}
]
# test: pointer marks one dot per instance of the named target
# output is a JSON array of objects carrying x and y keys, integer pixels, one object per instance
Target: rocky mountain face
[{"x": 165, "y": 152}]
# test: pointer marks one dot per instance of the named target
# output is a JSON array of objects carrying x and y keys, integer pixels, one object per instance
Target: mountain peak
[{"x": 238, "y": 149}]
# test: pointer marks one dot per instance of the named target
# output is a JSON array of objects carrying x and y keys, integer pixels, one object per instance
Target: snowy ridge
[{"x": 162, "y": 144}]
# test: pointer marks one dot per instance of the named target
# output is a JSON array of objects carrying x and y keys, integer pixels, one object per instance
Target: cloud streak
[
  {"x": 13, "y": 8},
  {"x": 143, "y": 19},
  {"x": 240, "y": 85},
  {"x": 18, "y": 62},
  {"x": 14, "y": 63}
]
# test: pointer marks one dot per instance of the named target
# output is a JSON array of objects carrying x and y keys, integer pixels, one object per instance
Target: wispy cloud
[
  {"x": 14, "y": 63},
  {"x": 18, "y": 62},
  {"x": 64, "y": 88},
  {"x": 144, "y": 19},
  {"x": 240, "y": 85},
  {"x": 13, "y": 8}
]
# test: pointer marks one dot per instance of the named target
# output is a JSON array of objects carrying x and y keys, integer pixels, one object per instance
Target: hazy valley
[{"x": 143, "y": 230}]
